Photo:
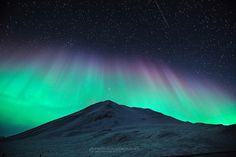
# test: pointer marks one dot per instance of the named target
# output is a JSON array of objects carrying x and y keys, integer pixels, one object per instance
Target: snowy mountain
[{"x": 109, "y": 129}]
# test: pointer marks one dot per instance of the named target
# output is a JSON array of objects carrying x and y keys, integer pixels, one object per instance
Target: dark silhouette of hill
[{"x": 99, "y": 116}]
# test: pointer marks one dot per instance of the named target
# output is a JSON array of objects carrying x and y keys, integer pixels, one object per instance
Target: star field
[
  {"x": 200, "y": 35},
  {"x": 193, "y": 37}
]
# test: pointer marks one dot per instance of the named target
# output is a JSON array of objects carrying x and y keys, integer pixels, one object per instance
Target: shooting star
[{"x": 161, "y": 12}]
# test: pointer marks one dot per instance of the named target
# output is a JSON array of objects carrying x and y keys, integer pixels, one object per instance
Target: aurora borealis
[
  {"x": 60, "y": 56},
  {"x": 45, "y": 87}
]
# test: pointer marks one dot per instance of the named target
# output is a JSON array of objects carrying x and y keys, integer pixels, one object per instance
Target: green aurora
[{"x": 42, "y": 89}]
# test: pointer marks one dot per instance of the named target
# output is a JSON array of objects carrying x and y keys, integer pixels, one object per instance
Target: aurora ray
[{"x": 48, "y": 87}]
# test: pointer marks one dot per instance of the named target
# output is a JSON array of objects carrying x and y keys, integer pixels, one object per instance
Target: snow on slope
[
  {"x": 99, "y": 116},
  {"x": 109, "y": 129}
]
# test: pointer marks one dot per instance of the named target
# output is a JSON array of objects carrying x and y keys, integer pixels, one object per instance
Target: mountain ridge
[
  {"x": 108, "y": 127},
  {"x": 103, "y": 110}
]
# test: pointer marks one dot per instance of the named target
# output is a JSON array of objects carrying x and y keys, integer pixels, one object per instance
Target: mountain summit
[{"x": 118, "y": 130}]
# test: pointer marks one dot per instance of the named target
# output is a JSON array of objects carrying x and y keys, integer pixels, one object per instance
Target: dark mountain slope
[
  {"x": 99, "y": 116},
  {"x": 109, "y": 129}
]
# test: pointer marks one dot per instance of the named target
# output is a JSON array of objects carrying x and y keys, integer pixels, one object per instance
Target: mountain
[
  {"x": 105, "y": 115},
  {"x": 110, "y": 129}
]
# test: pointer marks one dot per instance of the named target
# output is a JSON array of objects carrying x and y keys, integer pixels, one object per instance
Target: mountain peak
[
  {"x": 99, "y": 116},
  {"x": 103, "y": 105},
  {"x": 107, "y": 103}
]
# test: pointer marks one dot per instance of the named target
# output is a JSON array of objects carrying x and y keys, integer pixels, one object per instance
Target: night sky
[{"x": 195, "y": 38}]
